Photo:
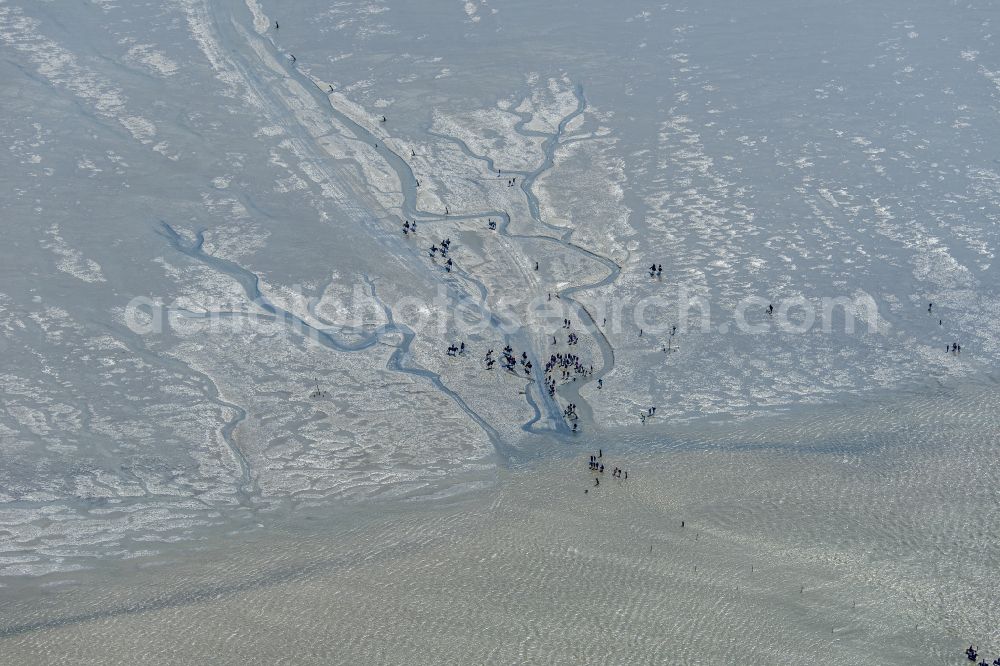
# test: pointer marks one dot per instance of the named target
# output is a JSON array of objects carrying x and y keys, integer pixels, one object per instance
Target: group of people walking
[
  {"x": 597, "y": 466},
  {"x": 444, "y": 249},
  {"x": 568, "y": 365},
  {"x": 510, "y": 362},
  {"x": 973, "y": 654},
  {"x": 648, "y": 414},
  {"x": 954, "y": 347}
]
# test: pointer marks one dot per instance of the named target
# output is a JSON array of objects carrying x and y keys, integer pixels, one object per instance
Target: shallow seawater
[{"x": 844, "y": 535}]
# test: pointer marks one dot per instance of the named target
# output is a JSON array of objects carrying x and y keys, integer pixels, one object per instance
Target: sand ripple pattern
[{"x": 851, "y": 535}]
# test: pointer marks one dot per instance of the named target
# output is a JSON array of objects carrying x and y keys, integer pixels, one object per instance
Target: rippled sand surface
[{"x": 851, "y": 535}]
